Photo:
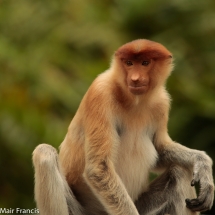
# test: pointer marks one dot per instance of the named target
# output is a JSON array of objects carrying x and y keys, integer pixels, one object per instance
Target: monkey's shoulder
[
  {"x": 99, "y": 96},
  {"x": 160, "y": 104}
]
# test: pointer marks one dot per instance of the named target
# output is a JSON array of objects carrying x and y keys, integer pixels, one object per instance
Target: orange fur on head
[{"x": 143, "y": 49}]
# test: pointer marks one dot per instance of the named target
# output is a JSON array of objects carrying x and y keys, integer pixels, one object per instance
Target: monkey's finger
[
  {"x": 203, "y": 202},
  {"x": 206, "y": 196},
  {"x": 196, "y": 178},
  {"x": 196, "y": 205},
  {"x": 191, "y": 203},
  {"x": 193, "y": 182}
]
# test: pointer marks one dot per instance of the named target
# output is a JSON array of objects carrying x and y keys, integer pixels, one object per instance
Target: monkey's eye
[
  {"x": 145, "y": 63},
  {"x": 129, "y": 63}
]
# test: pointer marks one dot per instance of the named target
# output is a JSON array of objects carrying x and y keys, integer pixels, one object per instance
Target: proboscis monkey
[{"x": 118, "y": 135}]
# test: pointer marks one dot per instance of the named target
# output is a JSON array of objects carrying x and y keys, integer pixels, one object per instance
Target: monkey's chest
[{"x": 136, "y": 157}]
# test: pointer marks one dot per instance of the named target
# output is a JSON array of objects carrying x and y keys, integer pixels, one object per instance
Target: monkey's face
[
  {"x": 145, "y": 64},
  {"x": 138, "y": 75}
]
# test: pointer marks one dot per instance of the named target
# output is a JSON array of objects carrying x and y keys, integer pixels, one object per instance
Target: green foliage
[{"x": 50, "y": 51}]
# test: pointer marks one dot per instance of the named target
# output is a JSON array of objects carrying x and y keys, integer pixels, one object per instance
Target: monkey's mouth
[{"x": 138, "y": 89}]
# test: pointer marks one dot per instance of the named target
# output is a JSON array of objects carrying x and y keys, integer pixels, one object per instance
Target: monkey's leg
[
  {"x": 167, "y": 194},
  {"x": 52, "y": 193}
]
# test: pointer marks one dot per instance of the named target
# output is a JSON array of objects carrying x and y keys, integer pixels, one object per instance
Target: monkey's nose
[{"x": 135, "y": 81}]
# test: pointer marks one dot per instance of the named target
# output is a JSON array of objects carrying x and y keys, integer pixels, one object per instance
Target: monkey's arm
[
  {"x": 171, "y": 152},
  {"x": 101, "y": 142}
]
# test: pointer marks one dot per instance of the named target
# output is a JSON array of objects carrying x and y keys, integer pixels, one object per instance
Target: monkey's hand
[{"x": 202, "y": 174}]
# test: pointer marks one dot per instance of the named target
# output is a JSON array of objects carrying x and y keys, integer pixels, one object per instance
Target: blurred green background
[{"x": 50, "y": 51}]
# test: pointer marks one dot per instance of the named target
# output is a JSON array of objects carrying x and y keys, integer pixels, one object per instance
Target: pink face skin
[
  {"x": 138, "y": 59},
  {"x": 138, "y": 77}
]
